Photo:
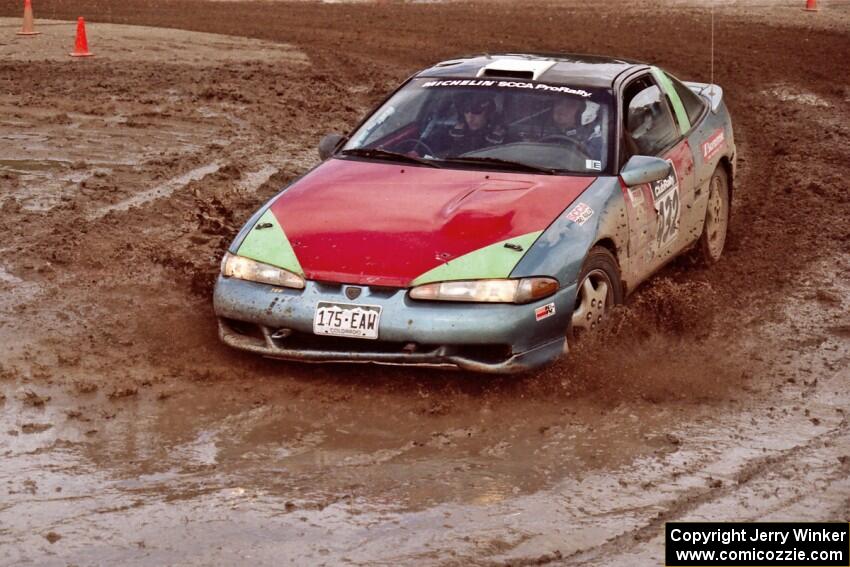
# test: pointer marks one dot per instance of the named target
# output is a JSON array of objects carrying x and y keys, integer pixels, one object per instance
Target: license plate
[{"x": 347, "y": 320}]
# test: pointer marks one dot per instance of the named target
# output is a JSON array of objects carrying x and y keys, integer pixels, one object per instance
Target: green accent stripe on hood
[
  {"x": 270, "y": 245},
  {"x": 678, "y": 107},
  {"x": 493, "y": 261}
]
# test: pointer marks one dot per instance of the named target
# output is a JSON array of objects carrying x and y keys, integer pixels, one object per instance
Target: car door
[{"x": 657, "y": 211}]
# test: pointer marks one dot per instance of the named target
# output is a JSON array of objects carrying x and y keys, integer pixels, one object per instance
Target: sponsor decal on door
[{"x": 665, "y": 196}]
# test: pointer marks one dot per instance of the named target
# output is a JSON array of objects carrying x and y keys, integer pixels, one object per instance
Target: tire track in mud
[
  {"x": 686, "y": 505},
  {"x": 645, "y": 545},
  {"x": 680, "y": 487},
  {"x": 159, "y": 192}
]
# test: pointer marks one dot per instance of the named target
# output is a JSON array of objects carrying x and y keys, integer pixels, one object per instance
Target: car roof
[{"x": 562, "y": 68}]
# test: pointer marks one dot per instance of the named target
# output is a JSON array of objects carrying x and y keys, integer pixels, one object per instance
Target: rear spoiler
[{"x": 713, "y": 93}]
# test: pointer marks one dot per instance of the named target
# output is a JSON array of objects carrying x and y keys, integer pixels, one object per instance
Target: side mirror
[
  {"x": 329, "y": 144},
  {"x": 644, "y": 169}
]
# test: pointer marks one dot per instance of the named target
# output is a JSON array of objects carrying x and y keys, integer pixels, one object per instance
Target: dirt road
[{"x": 129, "y": 435}]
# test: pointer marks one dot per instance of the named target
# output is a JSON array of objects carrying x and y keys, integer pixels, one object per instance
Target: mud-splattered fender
[
  {"x": 713, "y": 143},
  {"x": 249, "y": 224},
  {"x": 598, "y": 214},
  {"x": 709, "y": 151}
]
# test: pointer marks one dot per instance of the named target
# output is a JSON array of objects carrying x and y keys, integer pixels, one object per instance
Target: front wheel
[
  {"x": 713, "y": 237},
  {"x": 599, "y": 289}
]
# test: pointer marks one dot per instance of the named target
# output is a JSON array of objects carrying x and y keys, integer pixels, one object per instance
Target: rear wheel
[
  {"x": 713, "y": 238},
  {"x": 599, "y": 289}
]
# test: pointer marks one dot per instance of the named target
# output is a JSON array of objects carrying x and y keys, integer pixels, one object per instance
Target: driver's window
[
  {"x": 401, "y": 112},
  {"x": 649, "y": 128}
]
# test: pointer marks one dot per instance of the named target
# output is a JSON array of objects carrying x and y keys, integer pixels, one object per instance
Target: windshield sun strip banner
[
  {"x": 267, "y": 243},
  {"x": 490, "y": 262},
  {"x": 506, "y": 84},
  {"x": 670, "y": 91}
]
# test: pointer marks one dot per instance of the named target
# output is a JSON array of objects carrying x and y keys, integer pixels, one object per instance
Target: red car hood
[{"x": 382, "y": 224}]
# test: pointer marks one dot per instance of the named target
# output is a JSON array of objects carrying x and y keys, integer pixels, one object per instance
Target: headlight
[
  {"x": 242, "y": 268},
  {"x": 489, "y": 291}
]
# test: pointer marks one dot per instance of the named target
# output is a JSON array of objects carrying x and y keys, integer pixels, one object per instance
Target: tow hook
[{"x": 281, "y": 333}]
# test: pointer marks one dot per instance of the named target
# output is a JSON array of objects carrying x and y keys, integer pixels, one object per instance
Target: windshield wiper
[
  {"x": 504, "y": 163},
  {"x": 385, "y": 154}
]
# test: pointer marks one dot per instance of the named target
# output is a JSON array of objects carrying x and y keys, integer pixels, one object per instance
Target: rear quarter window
[{"x": 694, "y": 105}]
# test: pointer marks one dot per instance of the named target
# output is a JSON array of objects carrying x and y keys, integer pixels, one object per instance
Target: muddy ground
[{"x": 129, "y": 435}]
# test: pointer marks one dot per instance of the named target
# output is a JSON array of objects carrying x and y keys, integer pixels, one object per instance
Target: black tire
[
  {"x": 711, "y": 242},
  {"x": 600, "y": 265}
]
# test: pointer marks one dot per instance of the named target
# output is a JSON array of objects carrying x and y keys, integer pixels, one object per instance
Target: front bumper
[{"x": 496, "y": 338}]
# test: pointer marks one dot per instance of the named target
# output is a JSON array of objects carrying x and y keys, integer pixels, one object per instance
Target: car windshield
[{"x": 510, "y": 124}]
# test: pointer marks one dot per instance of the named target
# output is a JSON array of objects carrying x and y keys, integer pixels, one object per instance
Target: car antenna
[{"x": 711, "y": 88}]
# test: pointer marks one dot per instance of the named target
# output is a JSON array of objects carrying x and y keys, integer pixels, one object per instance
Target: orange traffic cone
[
  {"x": 81, "y": 46},
  {"x": 811, "y": 5},
  {"x": 28, "y": 28}
]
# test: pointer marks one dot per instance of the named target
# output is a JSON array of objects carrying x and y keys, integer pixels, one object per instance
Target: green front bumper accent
[{"x": 269, "y": 245}]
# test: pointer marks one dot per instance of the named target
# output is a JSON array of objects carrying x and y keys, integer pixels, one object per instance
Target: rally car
[{"x": 491, "y": 210}]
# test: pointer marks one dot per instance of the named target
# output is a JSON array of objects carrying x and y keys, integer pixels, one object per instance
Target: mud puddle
[{"x": 580, "y": 470}]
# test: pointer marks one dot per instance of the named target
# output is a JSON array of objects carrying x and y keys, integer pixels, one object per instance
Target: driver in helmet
[
  {"x": 478, "y": 126},
  {"x": 578, "y": 120}
]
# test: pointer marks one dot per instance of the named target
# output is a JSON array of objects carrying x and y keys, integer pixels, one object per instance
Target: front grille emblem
[{"x": 352, "y": 292}]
